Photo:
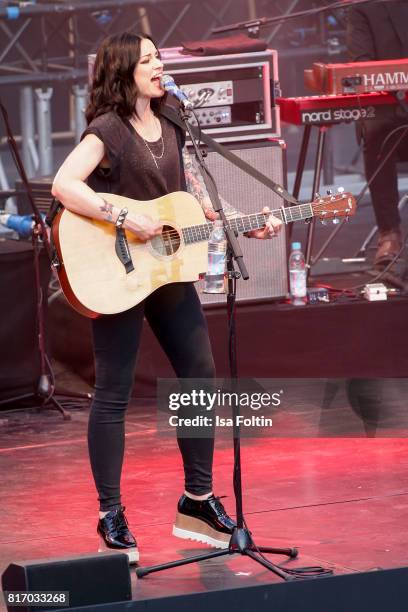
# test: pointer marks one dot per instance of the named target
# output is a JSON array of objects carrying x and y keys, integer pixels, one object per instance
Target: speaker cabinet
[
  {"x": 20, "y": 364},
  {"x": 41, "y": 189},
  {"x": 264, "y": 259},
  {"x": 89, "y": 579}
]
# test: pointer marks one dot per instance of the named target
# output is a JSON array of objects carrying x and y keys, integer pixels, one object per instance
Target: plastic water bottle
[
  {"x": 297, "y": 275},
  {"x": 217, "y": 247}
]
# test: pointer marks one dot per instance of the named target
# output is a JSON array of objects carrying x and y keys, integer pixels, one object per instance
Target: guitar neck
[{"x": 198, "y": 233}]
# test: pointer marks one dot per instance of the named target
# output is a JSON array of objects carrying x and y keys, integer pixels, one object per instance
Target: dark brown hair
[{"x": 113, "y": 87}]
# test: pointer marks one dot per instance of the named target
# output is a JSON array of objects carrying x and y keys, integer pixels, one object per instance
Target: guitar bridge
[{"x": 122, "y": 250}]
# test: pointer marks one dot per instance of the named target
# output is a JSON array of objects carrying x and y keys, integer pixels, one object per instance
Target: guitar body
[{"x": 93, "y": 278}]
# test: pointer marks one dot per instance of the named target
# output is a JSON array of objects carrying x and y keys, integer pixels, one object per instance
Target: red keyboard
[
  {"x": 358, "y": 77},
  {"x": 329, "y": 110}
]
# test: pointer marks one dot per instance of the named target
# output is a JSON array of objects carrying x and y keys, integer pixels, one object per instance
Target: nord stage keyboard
[{"x": 329, "y": 110}]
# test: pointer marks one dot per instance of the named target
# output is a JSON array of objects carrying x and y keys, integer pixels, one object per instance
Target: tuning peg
[
  {"x": 336, "y": 220},
  {"x": 323, "y": 221},
  {"x": 317, "y": 195},
  {"x": 340, "y": 189},
  {"x": 329, "y": 192}
]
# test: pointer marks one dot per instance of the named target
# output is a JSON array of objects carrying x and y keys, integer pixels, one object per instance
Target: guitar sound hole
[{"x": 168, "y": 242}]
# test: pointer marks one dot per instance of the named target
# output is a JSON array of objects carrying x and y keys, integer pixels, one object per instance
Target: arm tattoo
[
  {"x": 229, "y": 210},
  {"x": 108, "y": 209},
  {"x": 197, "y": 188},
  {"x": 194, "y": 180}
]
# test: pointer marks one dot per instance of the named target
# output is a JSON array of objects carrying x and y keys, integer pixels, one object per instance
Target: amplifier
[
  {"x": 41, "y": 190},
  {"x": 233, "y": 95},
  {"x": 266, "y": 260}
]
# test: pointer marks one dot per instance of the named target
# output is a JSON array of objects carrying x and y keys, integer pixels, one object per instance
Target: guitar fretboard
[{"x": 199, "y": 233}]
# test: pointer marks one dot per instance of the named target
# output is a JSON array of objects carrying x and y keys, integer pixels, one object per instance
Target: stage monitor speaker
[
  {"x": 371, "y": 591},
  {"x": 89, "y": 579},
  {"x": 266, "y": 260}
]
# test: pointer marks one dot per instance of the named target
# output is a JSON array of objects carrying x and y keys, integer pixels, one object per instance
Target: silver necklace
[{"x": 154, "y": 157}]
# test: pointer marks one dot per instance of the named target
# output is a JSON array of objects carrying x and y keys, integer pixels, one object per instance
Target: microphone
[{"x": 168, "y": 84}]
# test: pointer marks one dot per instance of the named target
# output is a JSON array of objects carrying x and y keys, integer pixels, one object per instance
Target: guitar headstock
[{"x": 334, "y": 205}]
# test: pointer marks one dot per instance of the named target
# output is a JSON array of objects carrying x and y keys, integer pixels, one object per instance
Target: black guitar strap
[
  {"x": 172, "y": 115},
  {"x": 122, "y": 250}
]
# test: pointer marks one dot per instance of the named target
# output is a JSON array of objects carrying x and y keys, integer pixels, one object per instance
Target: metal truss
[
  {"x": 76, "y": 29},
  {"x": 49, "y": 43},
  {"x": 69, "y": 31},
  {"x": 37, "y": 64},
  {"x": 42, "y": 44}
]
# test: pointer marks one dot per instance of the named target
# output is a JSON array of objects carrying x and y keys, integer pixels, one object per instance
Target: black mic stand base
[
  {"x": 44, "y": 394},
  {"x": 240, "y": 543},
  {"x": 45, "y": 391},
  {"x": 58, "y": 406},
  {"x": 55, "y": 403}
]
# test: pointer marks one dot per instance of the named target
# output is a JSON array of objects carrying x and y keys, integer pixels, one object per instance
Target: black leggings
[{"x": 175, "y": 315}]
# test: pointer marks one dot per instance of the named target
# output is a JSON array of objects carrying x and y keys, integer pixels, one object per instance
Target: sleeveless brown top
[{"x": 133, "y": 172}]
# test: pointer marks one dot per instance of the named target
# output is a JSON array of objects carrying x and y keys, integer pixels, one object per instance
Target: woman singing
[{"x": 130, "y": 149}]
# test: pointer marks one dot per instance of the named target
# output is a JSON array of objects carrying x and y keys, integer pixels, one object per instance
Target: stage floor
[{"x": 342, "y": 501}]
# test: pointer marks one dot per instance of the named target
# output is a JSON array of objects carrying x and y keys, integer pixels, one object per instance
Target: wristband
[{"x": 121, "y": 218}]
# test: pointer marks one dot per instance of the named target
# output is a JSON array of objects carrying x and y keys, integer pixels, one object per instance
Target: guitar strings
[
  {"x": 208, "y": 226},
  {"x": 256, "y": 216},
  {"x": 201, "y": 228},
  {"x": 316, "y": 207}
]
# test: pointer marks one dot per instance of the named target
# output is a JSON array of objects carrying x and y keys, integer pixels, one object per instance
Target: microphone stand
[
  {"x": 253, "y": 25},
  {"x": 241, "y": 540}
]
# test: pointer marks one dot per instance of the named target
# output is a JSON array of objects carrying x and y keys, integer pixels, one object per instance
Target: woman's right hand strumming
[{"x": 143, "y": 226}]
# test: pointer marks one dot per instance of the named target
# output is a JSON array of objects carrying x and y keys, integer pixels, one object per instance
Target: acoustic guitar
[{"x": 94, "y": 279}]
